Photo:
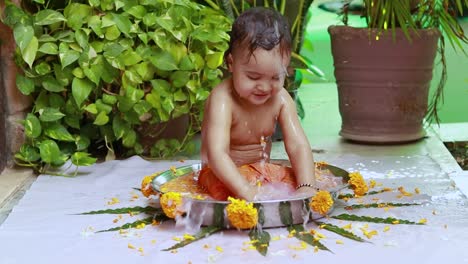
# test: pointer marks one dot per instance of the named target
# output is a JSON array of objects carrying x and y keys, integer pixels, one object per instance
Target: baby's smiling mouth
[{"x": 260, "y": 94}]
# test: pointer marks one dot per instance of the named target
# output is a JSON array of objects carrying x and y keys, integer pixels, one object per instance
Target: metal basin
[{"x": 208, "y": 212}]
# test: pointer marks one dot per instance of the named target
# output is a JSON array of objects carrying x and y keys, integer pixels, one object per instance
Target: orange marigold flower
[
  {"x": 146, "y": 188},
  {"x": 322, "y": 202},
  {"x": 358, "y": 184},
  {"x": 171, "y": 204},
  {"x": 241, "y": 214}
]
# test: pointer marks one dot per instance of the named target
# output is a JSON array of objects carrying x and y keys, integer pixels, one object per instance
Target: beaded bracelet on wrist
[{"x": 306, "y": 185}]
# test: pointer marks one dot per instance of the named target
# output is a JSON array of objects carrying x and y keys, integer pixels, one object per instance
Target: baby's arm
[
  {"x": 217, "y": 142},
  {"x": 297, "y": 146}
]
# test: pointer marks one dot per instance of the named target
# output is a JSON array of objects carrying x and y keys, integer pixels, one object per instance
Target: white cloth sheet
[{"x": 45, "y": 226}]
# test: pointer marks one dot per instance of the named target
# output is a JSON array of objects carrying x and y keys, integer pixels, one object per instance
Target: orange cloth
[{"x": 266, "y": 173}]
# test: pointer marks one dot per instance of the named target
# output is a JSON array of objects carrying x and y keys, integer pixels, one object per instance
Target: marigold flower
[
  {"x": 358, "y": 184},
  {"x": 322, "y": 202},
  {"x": 146, "y": 188},
  {"x": 241, "y": 214},
  {"x": 171, "y": 204}
]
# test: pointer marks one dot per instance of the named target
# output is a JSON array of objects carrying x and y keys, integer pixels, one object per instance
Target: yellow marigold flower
[
  {"x": 322, "y": 202},
  {"x": 423, "y": 221},
  {"x": 146, "y": 188},
  {"x": 386, "y": 228},
  {"x": 358, "y": 184},
  {"x": 130, "y": 246},
  {"x": 339, "y": 242},
  {"x": 171, "y": 204},
  {"x": 241, "y": 214},
  {"x": 416, "y": 190},
  {"x": 220, "y": 249},
  {"x": 173, "y": 169}
]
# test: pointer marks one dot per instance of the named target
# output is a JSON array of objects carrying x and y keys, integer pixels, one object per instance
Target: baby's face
[{"x": 258, "y": 78}]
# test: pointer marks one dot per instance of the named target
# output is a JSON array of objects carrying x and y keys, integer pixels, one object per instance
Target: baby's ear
[{"x": 229, "y": 62}]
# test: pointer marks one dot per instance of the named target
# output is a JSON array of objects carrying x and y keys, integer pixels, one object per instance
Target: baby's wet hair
[{"x": 260, "y": 27}]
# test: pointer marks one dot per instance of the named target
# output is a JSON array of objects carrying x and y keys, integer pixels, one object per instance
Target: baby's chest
[{"x": 252, "y": 127}]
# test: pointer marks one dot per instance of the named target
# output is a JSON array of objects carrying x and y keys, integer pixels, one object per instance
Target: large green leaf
[
  {"x": 129, "y": 139},
  {"x": 32, "y": 126},
  {"x": 24, "y": 84},
  {"x": 101, "y": 119},
  {"x": 214, "y": 59},
  {"x": 51, "y": 84},
  {"x": 58, "y": 132},
  {"x": 123, "y": 23},
  {"x": 29, "y": 54},
  {"x": 130, "y": 57},
  {"x": 285, "y": 213},
  {"x": 82, "y": 159},
  {"x": 138, "y": 11},
  {"x": 180, "y": 78},
  {"x": 112, "y": 33},
  {"x": 68, "y": 57},
  {"x": 163, "y": 60},
  {"x": 49, "y": 151},
  {"x": 42, "y": 68},
  {"x": 81, "y": 89},
  {"x": 77, "y": 14},
  {"x": 82, "y": 141},
  {"x": 120, "y": 127},
  {"x": 49, "y": 114},
  {"x": 47, "y": 17},
  {"x": 49, "y": 48},
  {"x": 23, "y": 35},
  {"x": 28, "y": 153}
]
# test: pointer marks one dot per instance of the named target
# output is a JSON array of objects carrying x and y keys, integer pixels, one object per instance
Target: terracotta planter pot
[{"x": 383, "y": 84}]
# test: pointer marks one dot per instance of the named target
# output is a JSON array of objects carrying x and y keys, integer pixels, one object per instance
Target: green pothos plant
[{"x": 97, "y": 70}]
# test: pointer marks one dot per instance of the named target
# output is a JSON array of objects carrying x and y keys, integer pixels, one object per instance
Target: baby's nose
[{"x": 263, "y": 86}]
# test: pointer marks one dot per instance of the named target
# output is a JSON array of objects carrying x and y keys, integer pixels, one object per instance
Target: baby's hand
[
  {"x": 306, "y": 191},
  {"x": 248, "y": 193}
]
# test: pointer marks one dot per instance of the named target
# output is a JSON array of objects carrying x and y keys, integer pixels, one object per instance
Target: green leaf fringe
[
  {"x": 204, "y": 232},
  {"x": 379, "y": 220},
  {"x": 340, "y": 231},
  {"x": 260, "y": 240}
]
